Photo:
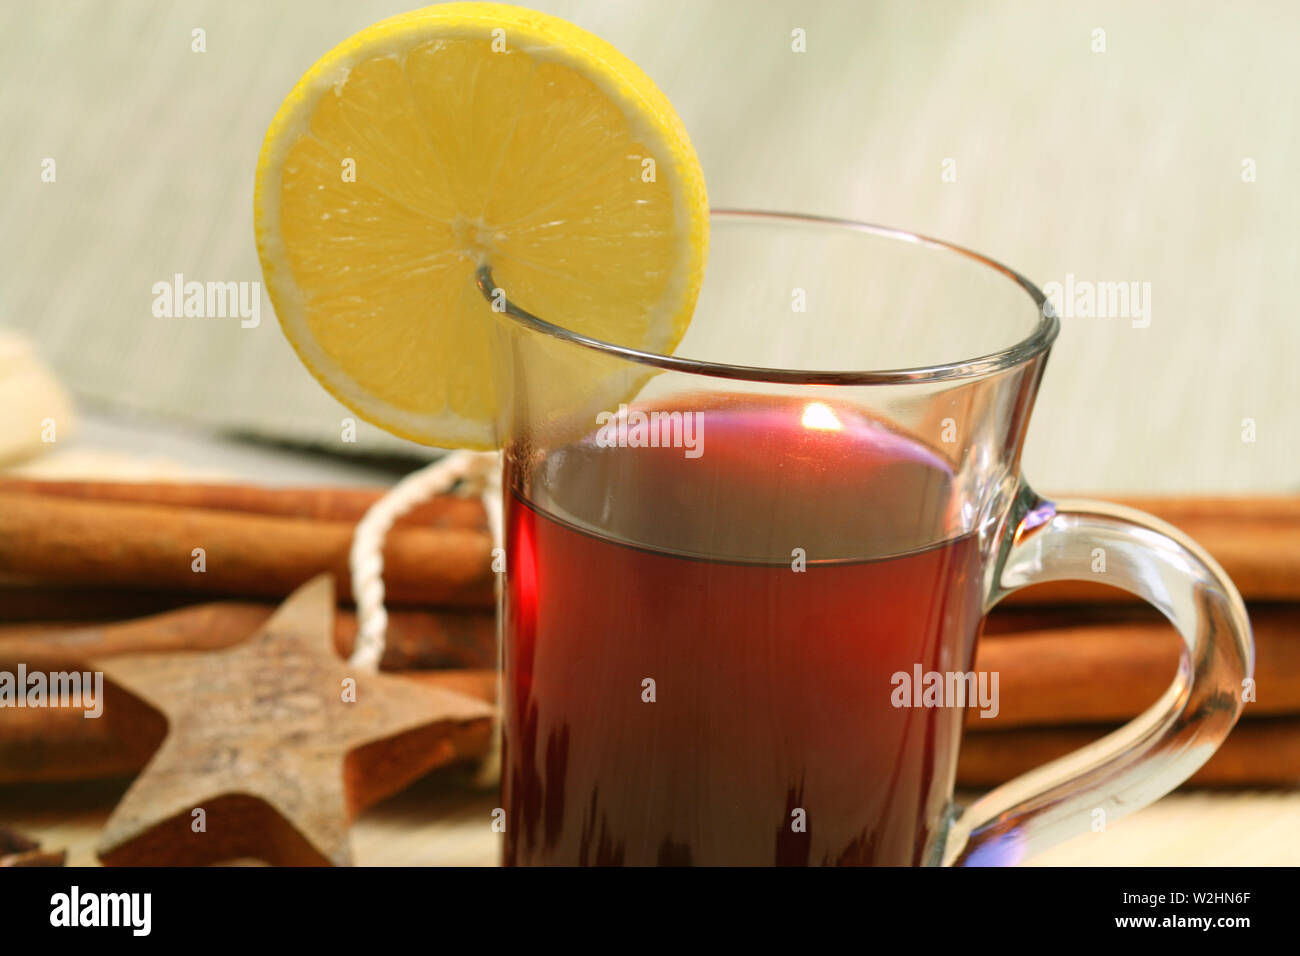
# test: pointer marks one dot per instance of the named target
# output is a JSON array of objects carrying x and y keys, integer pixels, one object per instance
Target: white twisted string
[{"x": 478, "y": 472}]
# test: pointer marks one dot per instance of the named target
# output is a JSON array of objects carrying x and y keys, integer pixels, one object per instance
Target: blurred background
[
  {"x": 1089, "y": 142},
  {"x": 1111, "y": 142}
]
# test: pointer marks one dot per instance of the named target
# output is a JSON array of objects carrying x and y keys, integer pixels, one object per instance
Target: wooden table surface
[{"x": 442, "y": 820}]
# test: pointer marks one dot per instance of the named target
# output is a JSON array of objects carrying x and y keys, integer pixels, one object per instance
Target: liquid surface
[{"x": 771, "y": 736}]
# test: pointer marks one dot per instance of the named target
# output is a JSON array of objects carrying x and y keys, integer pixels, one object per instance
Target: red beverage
[{"x": 772, "y": 735}]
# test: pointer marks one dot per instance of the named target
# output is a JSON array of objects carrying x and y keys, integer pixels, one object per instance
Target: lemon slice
[{"x": 457, "y": 136}]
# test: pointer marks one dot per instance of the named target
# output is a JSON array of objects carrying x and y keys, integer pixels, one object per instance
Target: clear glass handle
[{"x": 1153, "y": 753}]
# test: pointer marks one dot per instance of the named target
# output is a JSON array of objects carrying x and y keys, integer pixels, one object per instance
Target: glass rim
[{"x": 1036, "y": 343}]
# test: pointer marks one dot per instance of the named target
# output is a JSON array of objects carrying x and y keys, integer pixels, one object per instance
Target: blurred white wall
[{"x": 1122, "y": 165}]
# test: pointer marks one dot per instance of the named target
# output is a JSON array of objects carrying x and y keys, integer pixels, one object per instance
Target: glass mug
[{"x": 744, "y": 585}]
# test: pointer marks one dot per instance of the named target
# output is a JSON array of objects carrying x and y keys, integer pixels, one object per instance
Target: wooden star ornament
[{"x": 275, "y": 745}]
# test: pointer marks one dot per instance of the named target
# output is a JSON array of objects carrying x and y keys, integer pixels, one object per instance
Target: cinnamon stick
[
  {"x": 415, "y": 639},
  {"x": 1262, "y": 752},
  {"x": 45, "y": 744},
  {"x": 99, "y": 543},
  {"x": 1053, "y": 676},
  {"x": 52, "y": 605},
  {"x": 1256, "y": 539},
  {"x": 1181, "y": 510},
  {"x": 330, "y": 503},
  {"x": 60, "y": 743},
  {"x": 50, "y": 535},
  {"x": 1004, "y": 620},
  {"x": 19, "y": 850},
  {"x": 1108, "y": 672},
  {"x": 317, "y": 503}
]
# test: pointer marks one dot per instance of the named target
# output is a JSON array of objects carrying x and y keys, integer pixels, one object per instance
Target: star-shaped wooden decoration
[{"x": 278, "y": 742}]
